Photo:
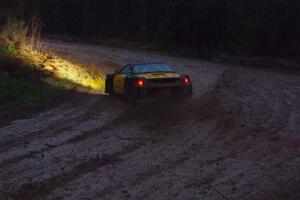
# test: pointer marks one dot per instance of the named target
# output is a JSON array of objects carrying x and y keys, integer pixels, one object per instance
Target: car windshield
[{"x": 150, "y": 68}]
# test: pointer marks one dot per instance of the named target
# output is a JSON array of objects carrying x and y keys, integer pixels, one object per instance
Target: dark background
[{"x": 242, "y": 27}]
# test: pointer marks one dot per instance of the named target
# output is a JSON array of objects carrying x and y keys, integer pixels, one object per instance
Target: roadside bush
[
  {"x": 34, "y": 35},
  {"x": 13, "y": 34},
  {"x": 8, "y": 49},
  {"x": 17, "y": 34}
]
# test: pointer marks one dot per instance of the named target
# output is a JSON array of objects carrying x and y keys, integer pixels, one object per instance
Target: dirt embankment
[{"x": 237, "y": 138}]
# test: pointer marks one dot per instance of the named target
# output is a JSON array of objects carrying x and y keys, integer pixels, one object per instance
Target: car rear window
[{"x": 149, "y": 68}]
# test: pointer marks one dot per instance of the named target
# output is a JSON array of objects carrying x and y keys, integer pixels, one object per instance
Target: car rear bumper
[{"x": 165, "y": 91}]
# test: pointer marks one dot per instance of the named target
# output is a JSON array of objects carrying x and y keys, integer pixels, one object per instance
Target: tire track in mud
[
  {"x": 52, "y": 130},
  {"x": 56, "y": 130},
  {"x": 79, "y": 139},
  {"x": 143, "y": 177},
  {"x": 25, "y": 140},
  {"x": 84, "y": 135},
  {"x": 43, "y": 119},
  {"x": 74, "y": 113},
  {"x": 40, "y": 190},
  {"x": 33, "y": 153},
  {"x": 76, "y": 140}
]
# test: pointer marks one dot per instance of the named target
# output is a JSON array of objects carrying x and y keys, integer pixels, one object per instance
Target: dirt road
[{"x": 238, "y": 138}]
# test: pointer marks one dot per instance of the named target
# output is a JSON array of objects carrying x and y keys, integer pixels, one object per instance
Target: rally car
[{"x": 140, "y": 80}]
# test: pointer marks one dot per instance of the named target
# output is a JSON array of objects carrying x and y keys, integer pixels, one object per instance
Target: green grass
[
  {"x": 10, "y": 50},
  {"x": 17, "y": 94}
]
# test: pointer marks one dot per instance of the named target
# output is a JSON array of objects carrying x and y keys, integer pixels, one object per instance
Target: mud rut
[{"x": 236, "y": 139}]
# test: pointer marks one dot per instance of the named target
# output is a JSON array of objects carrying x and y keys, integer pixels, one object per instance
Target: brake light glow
[
  {"x": 186, "y": 80},
  {"x": 140, "y": 83}
]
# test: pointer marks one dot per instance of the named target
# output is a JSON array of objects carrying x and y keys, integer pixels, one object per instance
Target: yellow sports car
[{"x": 136, "y": 81}]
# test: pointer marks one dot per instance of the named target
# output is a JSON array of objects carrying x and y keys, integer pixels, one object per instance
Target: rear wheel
[
  {"x": 132, "y": 94},
  {"x": 189, "y": 92},
  {"x": 109, "y": 84}
]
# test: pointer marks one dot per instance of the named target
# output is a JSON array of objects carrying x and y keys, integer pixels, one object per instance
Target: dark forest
[{"x": 268, "y": 27}]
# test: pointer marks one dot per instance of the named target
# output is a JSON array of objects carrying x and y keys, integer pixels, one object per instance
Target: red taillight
[
  {"x": 140, "y": 83},
  {"x": 186, "y": 80}
]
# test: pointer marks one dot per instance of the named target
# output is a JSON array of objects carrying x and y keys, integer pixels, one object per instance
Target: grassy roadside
[
  {"x": 32, "y": 76},
  {"x": 17, "y": 94}
]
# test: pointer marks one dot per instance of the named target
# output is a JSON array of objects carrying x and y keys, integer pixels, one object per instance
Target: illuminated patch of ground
[{"x": 64, "y": 73}]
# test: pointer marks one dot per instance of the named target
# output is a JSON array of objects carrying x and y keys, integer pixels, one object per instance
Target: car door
[{"x": 119, "y": 79}]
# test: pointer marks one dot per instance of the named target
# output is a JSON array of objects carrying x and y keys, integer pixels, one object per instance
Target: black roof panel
[{"x": 147, "y": 63}]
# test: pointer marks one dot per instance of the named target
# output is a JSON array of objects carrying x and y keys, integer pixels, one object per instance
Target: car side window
[{"x": 126, "y": 70}]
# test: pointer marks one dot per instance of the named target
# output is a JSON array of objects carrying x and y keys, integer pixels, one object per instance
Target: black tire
[
  {"x": 109, "y": 84},
  {"x": 131, "y": 93},
  {"x": 129, "y": 89},
  {"x": 187, "y": 94},
  {"x": 190, "y": 91}
]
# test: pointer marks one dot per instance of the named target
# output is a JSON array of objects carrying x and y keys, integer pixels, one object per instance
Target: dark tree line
[{"x": 263, "y": 27}]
